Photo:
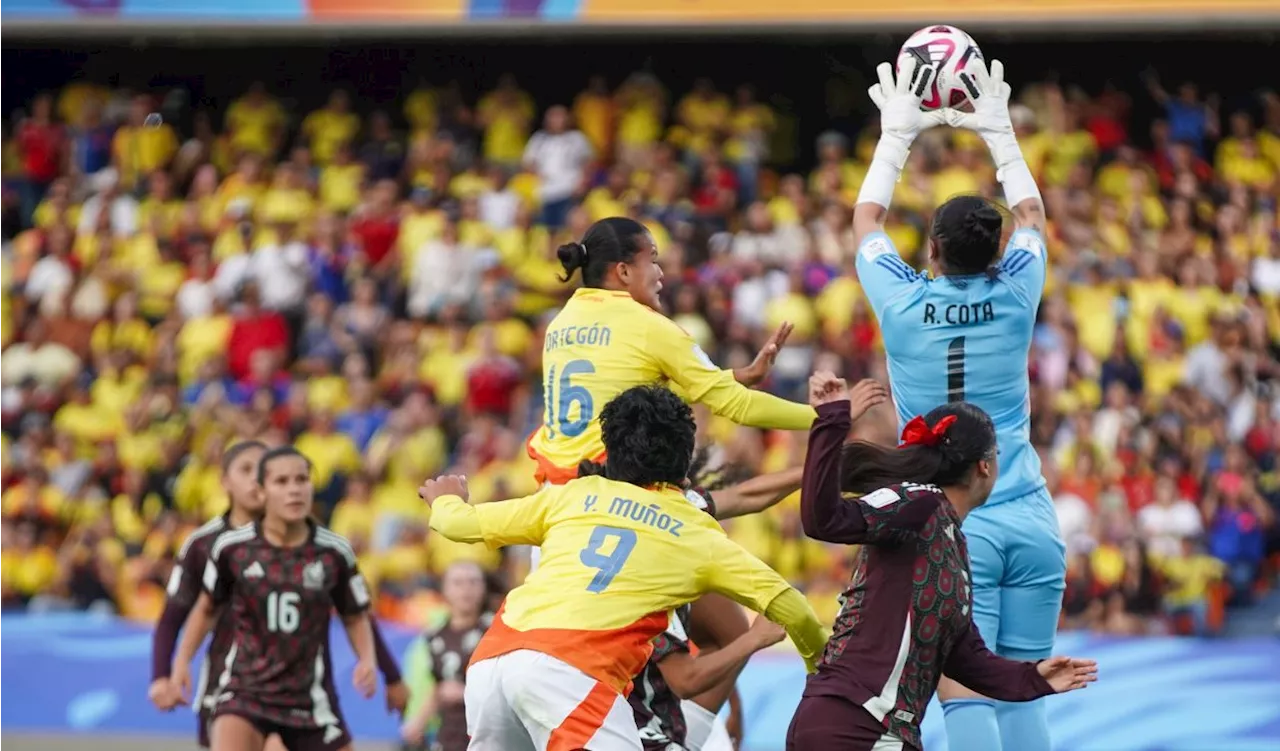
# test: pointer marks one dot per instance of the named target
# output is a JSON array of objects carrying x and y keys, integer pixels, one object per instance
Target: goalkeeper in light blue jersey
[{"x": 962, "y": 333}]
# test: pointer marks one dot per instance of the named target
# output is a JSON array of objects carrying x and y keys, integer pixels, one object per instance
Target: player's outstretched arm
[
  {"x": 900, "y": 122},
  {"x": 684, "y": 363},
  {"x": 990, "y": 119},
  {"x": 825, "y": 513},
  {"x": 757, "y": 494},
  {"x": 519, "y": 521},
  {"x": 981, "y": 670},
  {"x": 792, "y": 610},
  {"x": 745, "y": 579},
  {"x": 759, "y": 368},
  {"x": 689, "y": 676}
]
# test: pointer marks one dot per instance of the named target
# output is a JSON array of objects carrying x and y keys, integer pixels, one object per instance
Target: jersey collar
[
  {"x": 311, "y": 532},
  {"x": 599, "y": 292}
]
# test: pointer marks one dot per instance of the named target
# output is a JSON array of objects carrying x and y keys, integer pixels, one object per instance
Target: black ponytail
[
  {"x": 967, "y": 230},
  {"x": 573, "y": 256},
  {"x": 866, "y": 467},
  {"x": 608, "y": 241}
]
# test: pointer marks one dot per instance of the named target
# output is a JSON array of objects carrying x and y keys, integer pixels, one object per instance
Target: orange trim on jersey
[
  {"x": 611, "y": 656},
  {"x": 583, "y": 722},
  {"x": 549, "y": 471}
]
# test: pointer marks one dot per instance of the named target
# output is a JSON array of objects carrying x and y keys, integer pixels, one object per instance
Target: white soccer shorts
[{"x": 530, "y": 701}]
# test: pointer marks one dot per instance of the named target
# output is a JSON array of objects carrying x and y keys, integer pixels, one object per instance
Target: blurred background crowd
[{"x": 369, "y": 278}]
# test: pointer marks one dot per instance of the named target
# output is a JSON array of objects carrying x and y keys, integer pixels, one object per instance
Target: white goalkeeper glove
[
  {"x": 990, "y": 120},
  {"x": 990, "y": 117},
  {"x": 901, "y": 118}
]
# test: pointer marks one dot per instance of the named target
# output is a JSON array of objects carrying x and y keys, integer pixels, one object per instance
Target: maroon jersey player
[
  {"x": 906, "y": 615},
  {"x": 239, "y": 480},
  {"x": 450, "y": 646},
  {"x": 280, "y": 578}
]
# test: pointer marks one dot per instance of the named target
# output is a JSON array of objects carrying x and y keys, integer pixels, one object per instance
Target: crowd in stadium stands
[{"x": 373, "y": 287}]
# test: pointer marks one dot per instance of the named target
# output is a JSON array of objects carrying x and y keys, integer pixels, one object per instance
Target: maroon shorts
[
  {"x": 829, "y": 723},
  {"x": 294, "y": 739}
]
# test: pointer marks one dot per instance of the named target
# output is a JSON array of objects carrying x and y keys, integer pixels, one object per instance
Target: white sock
[
  {"x": 719, "y": 740},
  {"x": 700, "y": 723}
]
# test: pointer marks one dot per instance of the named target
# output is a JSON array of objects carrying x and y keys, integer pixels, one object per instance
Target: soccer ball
[{"x": 951, "y": 51}]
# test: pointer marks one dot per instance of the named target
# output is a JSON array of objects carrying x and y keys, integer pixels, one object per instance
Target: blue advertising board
[
  {"x": 82, "y": 674},
  {"x": 225, "y": 10}
]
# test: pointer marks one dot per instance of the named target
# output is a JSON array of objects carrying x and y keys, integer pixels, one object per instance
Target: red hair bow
[{"x": 918, "y": 433}]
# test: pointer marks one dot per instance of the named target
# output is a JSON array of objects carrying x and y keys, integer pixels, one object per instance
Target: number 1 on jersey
[
  {"x": 608, "y": 565},
  {"x": 955, "y": 370}
]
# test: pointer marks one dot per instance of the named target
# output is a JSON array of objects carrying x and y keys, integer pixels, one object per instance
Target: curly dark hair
[
  {"x": 702, "y": 476},
  {"x": 648, "y": 436}
]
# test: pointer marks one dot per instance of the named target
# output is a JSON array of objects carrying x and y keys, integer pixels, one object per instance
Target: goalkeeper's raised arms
[
  {"x": 901, "y": 120},
  {"x": 990, "y": 120}
]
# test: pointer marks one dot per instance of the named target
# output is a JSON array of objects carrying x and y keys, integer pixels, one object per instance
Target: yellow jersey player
[
  {"x": 619, "y": 554},
  {"x": 611, "y": 336}
]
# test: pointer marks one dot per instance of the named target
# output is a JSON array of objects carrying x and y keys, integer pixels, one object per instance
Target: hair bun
[
  {"x": 573, "y": 256},
  {"x": 985, "y": 220}
]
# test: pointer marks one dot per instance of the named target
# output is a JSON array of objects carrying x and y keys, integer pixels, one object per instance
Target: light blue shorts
[{"x": 1019, "y": 566}]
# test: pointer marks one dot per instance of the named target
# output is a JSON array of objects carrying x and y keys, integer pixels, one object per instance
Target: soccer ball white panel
[{"x": 951, "y": 51}]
